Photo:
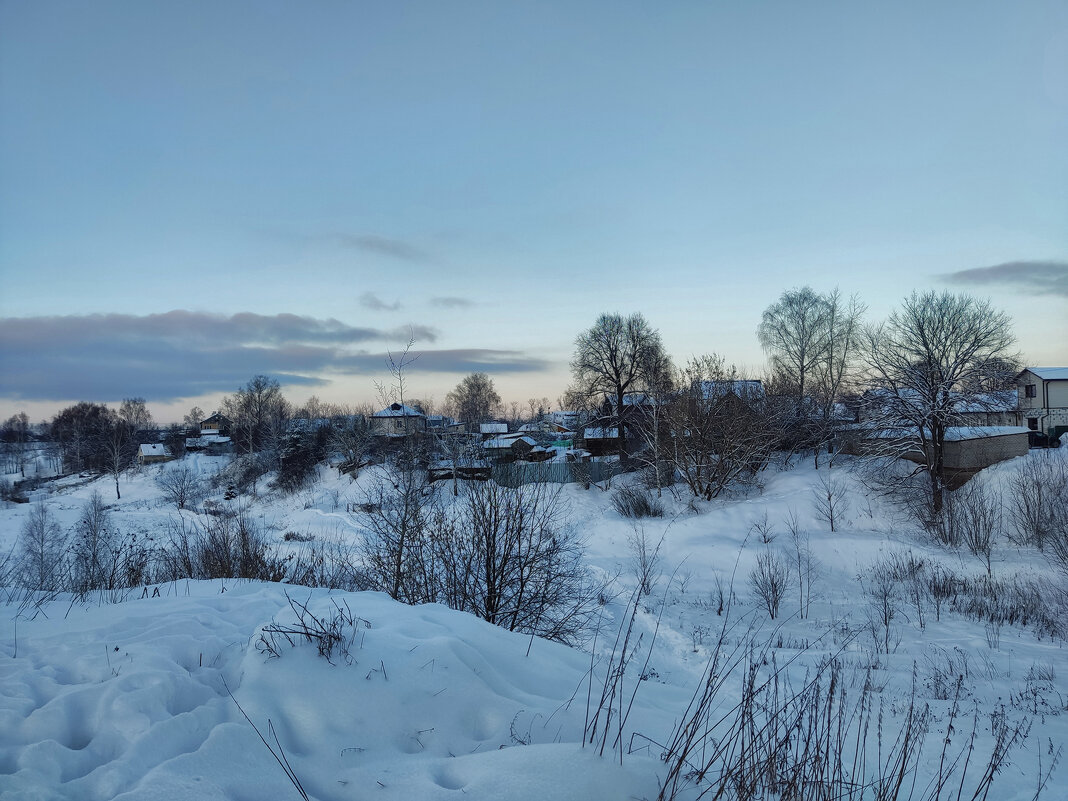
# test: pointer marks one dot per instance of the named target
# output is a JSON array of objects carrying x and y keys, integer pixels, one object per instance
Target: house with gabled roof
[
  {"x": 215, "y": 424},
  {"x": 492, "y": 430},
  {"x": 398, "y": 420},
  {"x": 1042, "y": 393},
  {"x": 152, "y": 453}
]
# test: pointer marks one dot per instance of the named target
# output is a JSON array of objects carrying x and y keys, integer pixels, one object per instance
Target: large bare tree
[
  {"x": 812, "y": 341},
  {"x": 615, "y": 356},
  {"x": 473, "y": 400},
  {"x": 929, "y": 359},
  {"x": 793, "y": 332},
  {"x": 258, "y": 412}
]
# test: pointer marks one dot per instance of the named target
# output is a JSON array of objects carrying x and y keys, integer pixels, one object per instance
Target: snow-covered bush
[
  {"x": 224, "y": 546},
  {"x": 636, "y": 502}
]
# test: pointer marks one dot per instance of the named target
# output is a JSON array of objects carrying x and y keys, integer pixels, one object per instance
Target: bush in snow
[
  {"x": 227, "y": 546},
  {"x": 501, "y": 553},
  {"x": 1038, "y": 509},
  {"x": 635, "y": 502},
  {"x": 769, "y": 579},
  {"x": 181, "y": 485}
]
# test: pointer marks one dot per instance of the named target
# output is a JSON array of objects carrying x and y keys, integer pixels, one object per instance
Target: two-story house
[{"x": 1043, "y": 397}]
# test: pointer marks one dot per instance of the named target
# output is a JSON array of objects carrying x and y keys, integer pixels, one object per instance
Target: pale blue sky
[{"x": 498, "y": 174}]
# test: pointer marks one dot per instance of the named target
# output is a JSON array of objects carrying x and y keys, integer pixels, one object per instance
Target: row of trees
[
  {"x": 91, "y": 436},
  {"x": 938, "y": 353}
]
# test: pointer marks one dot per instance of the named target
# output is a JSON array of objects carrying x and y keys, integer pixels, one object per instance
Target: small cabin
[{"x": 152, "y": 453}]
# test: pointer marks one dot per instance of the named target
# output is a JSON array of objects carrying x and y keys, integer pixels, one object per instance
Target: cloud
[
  {"x": 452, "y": 303},
  {"x": 462, "y": 360},
  {"x": 369, "y": 300},
  {"x": 1030, "y": 277},
  {"x": 176, "y": 354},
  {"x": 182, "y": 354},
  {"x": 412, "y": 333},
  {"x": 383, "y": 246}
]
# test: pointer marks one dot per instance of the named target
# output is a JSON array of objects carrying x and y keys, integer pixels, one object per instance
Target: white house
[
  {"x": 398, "y": 420},
  {"x": 1043, "y": 397}
]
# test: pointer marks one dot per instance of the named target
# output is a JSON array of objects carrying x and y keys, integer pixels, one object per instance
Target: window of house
[
  {"x": 1032, "y": 423},
  {"x": 1029, "y": 391}
]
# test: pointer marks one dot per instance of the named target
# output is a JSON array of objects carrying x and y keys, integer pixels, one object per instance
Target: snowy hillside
[{"x": 144, "y": 694}]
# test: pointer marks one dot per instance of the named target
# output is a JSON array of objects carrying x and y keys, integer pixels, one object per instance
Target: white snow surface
[{"x": 132, "y": 699}]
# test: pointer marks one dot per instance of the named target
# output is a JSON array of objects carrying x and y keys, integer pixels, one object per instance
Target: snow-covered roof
[
  {"x": 958, "y": 433},
  {"x": 503, "y": 443},
  {"x": 493, "y": 428},
  {"x": 1050, "y": 373},
  {"x": 745, "y": 388},
  {"x": 1002, "y": 401},
  {"x": 999, "y": 401},
  {"x": 154, "y": 449},
  {"x": 953, "y": 433},
  {"x": 399, "y": 410},
  {"x": 601, "y": 433}
]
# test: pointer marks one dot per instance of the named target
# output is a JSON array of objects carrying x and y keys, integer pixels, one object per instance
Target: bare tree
[
  {"x": 1037, "y": 494},
  {"x": 79, "y": 431},
  {"x": 645, "y": 558},
  {"x": 769, "y": 579},
  {"x": 474, "y": 400},
  {"x": 652, "y": 421},
  {"x": 41, "y": 550},
  {"x": 180, "y": 485},
  {"x": 93, "y": 548},
  {"x": 350, "y": 437},
  {"x": 831, "y": 499},
  {"x": 835, "y": 369},
  {"x": 924, "y": 361},
  {"x": 258, "y": 412},
  {"x": 16, "y": 437},
  {"x": 793, "y": 331},
  {"x": 614, "y": 357},
  {"x": 119, "y": 445},
  {"x": 981, "y": 519},
  {"x": 514, "y": 562},
  {"x": 134, "y": 413},
  {"x": 724, "y": 432},
  {"x": 812, "y": 341},
  {"x": 192, "y": 420},
  {"x": 394, "y": 517}
]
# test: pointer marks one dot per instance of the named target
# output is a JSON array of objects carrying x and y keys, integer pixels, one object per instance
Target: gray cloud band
[
  {"x": 1032, "y": 277},
  {"x": 183, "y": 354}
]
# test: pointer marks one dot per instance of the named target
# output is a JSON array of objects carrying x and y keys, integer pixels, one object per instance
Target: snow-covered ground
[{"x": 147, "y": 697}]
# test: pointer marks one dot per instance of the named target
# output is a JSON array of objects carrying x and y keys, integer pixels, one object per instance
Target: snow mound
[{"x": 132, "y": 700}]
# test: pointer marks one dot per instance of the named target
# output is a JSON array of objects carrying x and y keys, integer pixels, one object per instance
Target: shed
[{"x": 151, "y": 453}]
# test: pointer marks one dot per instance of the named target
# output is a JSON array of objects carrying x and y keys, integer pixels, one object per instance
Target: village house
[
  {"x": 492, "y": 430},
  {"x": 508, "y": 449},
  {"x": 1042, "y": 394},
  {"x": 398, "y": 420},
  {"x": 153, "y": 453},
  {"x": 217, "y": 424}
]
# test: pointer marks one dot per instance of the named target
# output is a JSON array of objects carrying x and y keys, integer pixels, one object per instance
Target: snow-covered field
[{"x": 147, "y": 697}]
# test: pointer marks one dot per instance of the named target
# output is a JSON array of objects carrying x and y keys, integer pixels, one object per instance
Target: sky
[{"x": 195, "y": 193}]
